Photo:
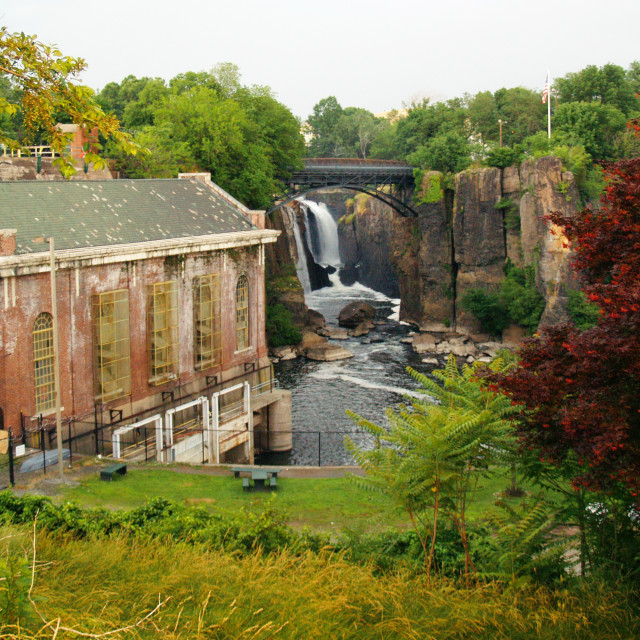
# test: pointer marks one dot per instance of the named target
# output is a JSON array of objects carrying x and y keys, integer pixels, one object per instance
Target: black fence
[{"x": 82, "y": 439}]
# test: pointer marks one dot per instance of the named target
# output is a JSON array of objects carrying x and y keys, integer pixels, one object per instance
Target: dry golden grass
[{"x": 99, "y": 586}]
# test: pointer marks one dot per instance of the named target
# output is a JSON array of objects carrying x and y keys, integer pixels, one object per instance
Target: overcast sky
[{"x": 368, "y": 53}]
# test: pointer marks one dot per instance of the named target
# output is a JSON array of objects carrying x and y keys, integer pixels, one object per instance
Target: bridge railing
[{"x": 355, "y": 162}]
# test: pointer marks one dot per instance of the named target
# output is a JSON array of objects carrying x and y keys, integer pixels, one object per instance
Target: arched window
[
  {"x": 242, "y": 313},
  {"x": 43, "y": 363}
]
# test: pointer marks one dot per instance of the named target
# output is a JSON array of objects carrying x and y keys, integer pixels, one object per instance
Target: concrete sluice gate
[{"x": 228, "y": 426}]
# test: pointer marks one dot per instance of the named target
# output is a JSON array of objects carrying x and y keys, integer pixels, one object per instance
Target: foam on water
[{"x": 365, "y": 384}]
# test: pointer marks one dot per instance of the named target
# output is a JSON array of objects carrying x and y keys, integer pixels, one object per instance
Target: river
[{"x": 374, "y": 379}]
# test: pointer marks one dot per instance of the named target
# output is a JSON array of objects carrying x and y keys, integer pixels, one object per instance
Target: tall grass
[{"x": 95, "y": 586}]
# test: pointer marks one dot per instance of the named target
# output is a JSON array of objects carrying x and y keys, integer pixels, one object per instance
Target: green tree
[
  {"x": 357, "y": 128},
  {"x": 431, "y": 458},
  {"x": 598, "y": 127},
  {"x": 45, "y": 83},
  {"x": 208, "y": 121},
  {"x": 608, "y": 85},
  {"x": 522, "y": 112},
  {"x": 483, "y": 116},
  {"x": 326, "y": 141},
  {"x": 425, "y": 120},
  {"x": 448, "y": 152}
]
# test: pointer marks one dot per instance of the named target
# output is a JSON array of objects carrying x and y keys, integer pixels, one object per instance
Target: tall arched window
[
  {"x": 43, "y": 363},
  {"x": 242, "y": 313}
]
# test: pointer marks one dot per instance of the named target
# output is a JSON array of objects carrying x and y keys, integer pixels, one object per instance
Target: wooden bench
[{"x": 108, "y": 472}]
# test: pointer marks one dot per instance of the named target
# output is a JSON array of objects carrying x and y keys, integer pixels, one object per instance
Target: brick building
[{"x": 160, "y": 298}]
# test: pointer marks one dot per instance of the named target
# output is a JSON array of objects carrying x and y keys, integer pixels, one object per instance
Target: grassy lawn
[
  {"x": 320, "y": 503},
  {"x": 325, "y": 504}
]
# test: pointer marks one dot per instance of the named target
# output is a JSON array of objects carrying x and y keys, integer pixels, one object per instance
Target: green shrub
[
  {"x": 583, "y": 313},
  {"x": 503, "y": 157},
  {"x": 280, "y": 327},
  {"x": 488, "y": 308},
  {"x": 511, "y": 214},
  {"x": 517, "y": 302}
]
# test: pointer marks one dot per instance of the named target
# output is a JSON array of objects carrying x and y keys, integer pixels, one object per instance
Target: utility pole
[
  {"x": 56, "y": 356},
  {"x": 501, "y": 122}
]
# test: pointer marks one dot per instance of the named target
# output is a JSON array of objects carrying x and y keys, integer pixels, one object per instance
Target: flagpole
[{"x": 549, "y": 103}]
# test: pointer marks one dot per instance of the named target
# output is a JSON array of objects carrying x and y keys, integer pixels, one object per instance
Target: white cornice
[{"x": 30, "y": 263}]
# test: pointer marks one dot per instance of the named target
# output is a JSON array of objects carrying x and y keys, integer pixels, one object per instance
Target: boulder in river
[
  {"x": 328, "y": 352},
  {"x": 355, "y": 313},
  {"x": 333, "y": 333},
  {"x": 424, "y": 343},
  {"x": 362, "y": 329}
]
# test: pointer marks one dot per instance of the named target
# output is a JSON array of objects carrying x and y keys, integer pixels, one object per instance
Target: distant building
[
  {"x": 37, "y": 162},
  {"x": 161, "y": 301}
]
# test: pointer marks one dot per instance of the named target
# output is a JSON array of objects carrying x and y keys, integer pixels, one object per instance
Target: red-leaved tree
[{"x": 581, "y": 390}]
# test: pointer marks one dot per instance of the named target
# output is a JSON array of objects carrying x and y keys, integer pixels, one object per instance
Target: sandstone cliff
[
  {"x": 461, "y": 238},
  {"x": 365, "y": 233}
]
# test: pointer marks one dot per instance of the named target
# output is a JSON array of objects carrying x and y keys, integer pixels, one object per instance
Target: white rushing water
[
  {"x": 324, "y": 247},
  {"x": 302, "y": 269}
]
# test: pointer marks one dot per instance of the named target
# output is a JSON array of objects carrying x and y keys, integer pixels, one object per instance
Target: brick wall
[{"x": 23, "y": 298}]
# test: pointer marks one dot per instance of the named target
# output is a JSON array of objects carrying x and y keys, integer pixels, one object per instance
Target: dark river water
[{"x": 366, "y": 384}]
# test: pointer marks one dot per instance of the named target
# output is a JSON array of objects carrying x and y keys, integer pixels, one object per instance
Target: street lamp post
[{"x": 56, "y": 350}]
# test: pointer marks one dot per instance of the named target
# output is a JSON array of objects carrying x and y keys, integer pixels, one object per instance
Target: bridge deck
[
  {"x": 335, "y": 171},
  {"x": 390, "y": 181}
]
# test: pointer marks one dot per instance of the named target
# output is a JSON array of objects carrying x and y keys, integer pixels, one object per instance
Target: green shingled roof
[{"x": 97, "y": 213}]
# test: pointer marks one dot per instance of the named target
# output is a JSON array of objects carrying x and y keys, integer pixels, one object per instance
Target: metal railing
[
  {"x": 38, "y": 151},
  {"x": 309, "y": 447}
]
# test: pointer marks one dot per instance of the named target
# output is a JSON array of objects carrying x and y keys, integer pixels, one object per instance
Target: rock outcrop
[
  {"x": 478, "y": 238},
  {"x": 365, "y": 234},
  {"x": 546, "y": 189},
  {"x": 421, "y": 254},
  {"x": 460, "y": 240},
  {"x": 355, "y": 313}
]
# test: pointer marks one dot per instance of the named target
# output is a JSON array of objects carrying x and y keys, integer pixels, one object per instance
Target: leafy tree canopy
[
  {"x": 589, "y": 111},
  {"x": 39, "y": 84},
  {"x": 209, "y": 121},
  {"x": 609, "y": 85}
]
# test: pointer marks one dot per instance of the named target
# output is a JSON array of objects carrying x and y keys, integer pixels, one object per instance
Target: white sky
[{"x": 368, "y": 53}]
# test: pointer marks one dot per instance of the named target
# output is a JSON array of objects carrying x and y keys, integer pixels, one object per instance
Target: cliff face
[
  {"x": 421, "y": 254},
  {"x": 460, "y": 240},
  {"x": 281, "y": 258},
  {"x": 546, "y": 188},
  {"x": 478, "y": 238},
  {"x": 499, "y": 215},
  {"x": 365, "y": 234}
]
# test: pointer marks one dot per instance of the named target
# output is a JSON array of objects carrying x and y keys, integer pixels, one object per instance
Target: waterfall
[
  {"x": 323, "y": 244},
  {"x": 302, "y": 269}
]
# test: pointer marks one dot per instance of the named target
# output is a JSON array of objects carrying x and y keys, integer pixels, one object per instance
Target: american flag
[{"x": 545, "y": 91}]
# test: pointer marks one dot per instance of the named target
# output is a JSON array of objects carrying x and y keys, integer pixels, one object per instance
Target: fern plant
[
  {"x": 437, "y": 448},
  {"x": 523, "y": 540}
]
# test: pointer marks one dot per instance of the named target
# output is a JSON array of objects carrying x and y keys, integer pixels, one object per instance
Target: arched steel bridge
[{"x": 390, "y": 181}]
